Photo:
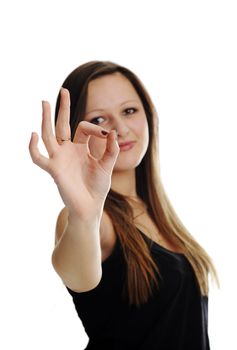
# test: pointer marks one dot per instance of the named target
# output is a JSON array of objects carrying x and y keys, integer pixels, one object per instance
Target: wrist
[{"x": 87, "y": 220}]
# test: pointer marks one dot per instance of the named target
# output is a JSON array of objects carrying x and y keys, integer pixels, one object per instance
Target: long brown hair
[{"x": 141, "y": 274}]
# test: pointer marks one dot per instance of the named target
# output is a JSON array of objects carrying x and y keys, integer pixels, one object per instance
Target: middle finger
[{"x": 62, "y": 129}]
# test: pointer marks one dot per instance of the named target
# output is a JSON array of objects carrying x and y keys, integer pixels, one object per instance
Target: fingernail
[{"x": 103, "y": 132}]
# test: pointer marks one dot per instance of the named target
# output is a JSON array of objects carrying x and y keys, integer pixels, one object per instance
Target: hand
[{"x": 82, "y": 180}]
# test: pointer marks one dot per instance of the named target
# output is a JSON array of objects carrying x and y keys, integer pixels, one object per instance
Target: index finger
[{"x": 62, "y": 128}]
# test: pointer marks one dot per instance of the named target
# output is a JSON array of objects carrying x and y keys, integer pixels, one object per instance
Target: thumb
[{"x": 111, "y": 152}]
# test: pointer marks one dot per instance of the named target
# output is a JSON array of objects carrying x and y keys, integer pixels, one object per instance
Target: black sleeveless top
[{"x": 174, "y": 318}]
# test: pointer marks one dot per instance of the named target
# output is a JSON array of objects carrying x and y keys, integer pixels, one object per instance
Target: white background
[{"x": 185, "y": 52}]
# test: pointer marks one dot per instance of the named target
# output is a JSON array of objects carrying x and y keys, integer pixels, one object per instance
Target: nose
[{"x": 121, "y": 128}]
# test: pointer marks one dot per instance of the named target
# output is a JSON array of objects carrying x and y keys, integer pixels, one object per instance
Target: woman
[{"x": 137, "y": 277}]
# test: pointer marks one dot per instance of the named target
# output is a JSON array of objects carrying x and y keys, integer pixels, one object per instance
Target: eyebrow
[{"x": 100, "y": 109}]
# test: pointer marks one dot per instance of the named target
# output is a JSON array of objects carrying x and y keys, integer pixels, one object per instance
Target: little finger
[{"x": 36, "y": 156}]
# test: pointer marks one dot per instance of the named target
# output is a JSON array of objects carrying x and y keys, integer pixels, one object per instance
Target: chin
[
  {"x": 128, "y": 161},
  {"x": 129, "y": 164}
]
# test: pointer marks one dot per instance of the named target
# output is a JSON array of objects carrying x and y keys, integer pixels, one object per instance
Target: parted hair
[{"x": 142, "y": 272}]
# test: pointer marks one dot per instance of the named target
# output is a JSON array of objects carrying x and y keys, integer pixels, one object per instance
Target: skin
[
  {"x": 93, "y": 162},
  {"x": 106, "y": 101}
]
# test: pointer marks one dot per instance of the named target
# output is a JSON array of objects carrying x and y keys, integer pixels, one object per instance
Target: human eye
[
  {"x": 129, "y": 109},
  {"x": 94, "y": 120}
]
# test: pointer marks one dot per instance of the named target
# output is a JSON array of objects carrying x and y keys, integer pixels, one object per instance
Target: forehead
[{"x": 109, "y": 90}]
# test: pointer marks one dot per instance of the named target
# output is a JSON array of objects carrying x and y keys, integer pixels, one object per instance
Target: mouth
[{"x": 125, "y": 146}]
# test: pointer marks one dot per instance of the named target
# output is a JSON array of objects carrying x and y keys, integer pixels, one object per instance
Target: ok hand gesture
[{"x": 82, "y": 180}]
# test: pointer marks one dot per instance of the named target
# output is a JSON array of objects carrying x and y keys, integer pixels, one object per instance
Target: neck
[{"x": 124, "y": 182}]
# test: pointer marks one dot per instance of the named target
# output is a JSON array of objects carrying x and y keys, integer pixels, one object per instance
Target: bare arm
[
  {"x": 77, "y": 254},
  {"x": 83, "y": 183}
]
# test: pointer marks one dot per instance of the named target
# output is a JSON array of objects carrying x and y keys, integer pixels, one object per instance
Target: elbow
[{"x": 71, "y": 280}]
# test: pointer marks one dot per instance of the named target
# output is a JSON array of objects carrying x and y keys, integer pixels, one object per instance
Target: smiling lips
[{"x": 125, "y": 146}]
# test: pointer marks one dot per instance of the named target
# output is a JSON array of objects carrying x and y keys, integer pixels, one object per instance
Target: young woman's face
[{"x": 113, "y": 103}]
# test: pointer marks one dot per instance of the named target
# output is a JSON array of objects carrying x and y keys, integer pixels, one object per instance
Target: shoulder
[
  {"x": 106, "y": 228},
  {"x": 107, "y": 235}
]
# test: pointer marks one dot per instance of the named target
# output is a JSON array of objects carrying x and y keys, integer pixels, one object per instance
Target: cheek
[
  {"x": 96, "y": 146},
  {"x": 142, "y": 130}
]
